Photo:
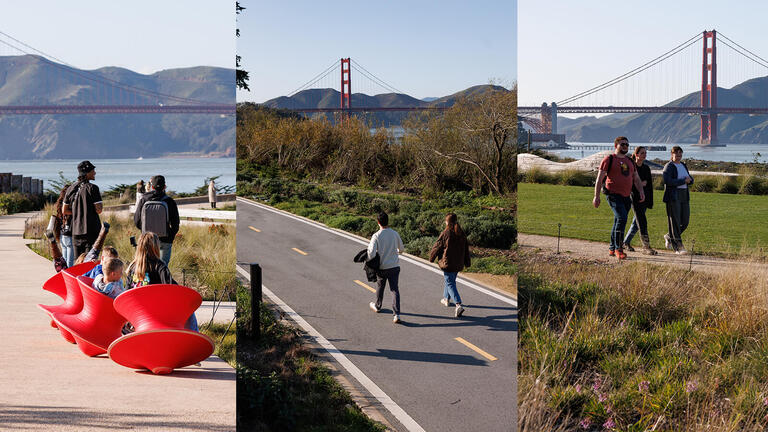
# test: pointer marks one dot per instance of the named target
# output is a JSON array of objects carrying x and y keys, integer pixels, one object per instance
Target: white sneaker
[
  {"x": 667, "y": 241},
  {"x": 682, "y": 251},
  {"x": 445, "y": 302},
  {"x": 373, "y": 307},
  {"x": 396, "y": 319},
  {"x": 459, "y": 310}
]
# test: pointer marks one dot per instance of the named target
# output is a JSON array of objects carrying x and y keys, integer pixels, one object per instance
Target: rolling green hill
[{"x": 28, "y": 80}]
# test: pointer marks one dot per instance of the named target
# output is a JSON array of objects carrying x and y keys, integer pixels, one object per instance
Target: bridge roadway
[
  {"x": 416, "y": 374},
  {"x": 640, "y": 109}
]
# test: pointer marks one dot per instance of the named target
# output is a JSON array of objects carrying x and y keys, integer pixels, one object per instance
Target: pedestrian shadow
[
  {"x": 47, "y": 417},
  {"x": 222, "y": 372},
  {"x": 420, "y": 356},
  {"x": 505, "y": 322}
]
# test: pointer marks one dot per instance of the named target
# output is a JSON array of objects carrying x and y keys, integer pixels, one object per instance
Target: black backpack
[{"x": 155, "y": 217}]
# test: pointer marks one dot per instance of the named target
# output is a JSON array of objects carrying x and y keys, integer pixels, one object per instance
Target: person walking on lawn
[
  {"x": 452, "y": 253},
  {"x": 677, "y": 178},
  {"x": 387, "y": 243},
  {"x": 640, "y": 222},
  {"x": 619, "y": 174}
]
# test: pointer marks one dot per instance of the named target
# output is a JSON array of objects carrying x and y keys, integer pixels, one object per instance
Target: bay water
[
  {"x": 729, "y": 153},
  {"x": 181, "y": 174}
]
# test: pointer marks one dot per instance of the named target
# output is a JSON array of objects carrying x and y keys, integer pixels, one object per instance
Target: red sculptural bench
[
  {"x": 160, "y": 342},
  {"x": 96, "y": 325},
  {"x": 64, "y": 284}
]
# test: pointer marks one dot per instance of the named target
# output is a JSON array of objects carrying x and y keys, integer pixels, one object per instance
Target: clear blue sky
[
  {"x": 423, "y": 48},
  {"x": 566, "y": 46},
  {"x": 142, "y": 35}
]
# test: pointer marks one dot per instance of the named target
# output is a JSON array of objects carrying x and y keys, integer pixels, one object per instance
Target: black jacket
[
  {"x": 671, "y": 182},
  {"x": 173, "y": 213},
  {"x": 644, "y": 171},
  {"x": 157, "y": 273},
  {"x": 371, "y": 267}
]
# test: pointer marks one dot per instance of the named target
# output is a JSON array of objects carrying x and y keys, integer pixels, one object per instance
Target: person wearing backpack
[
  {"x": 616, "y": 176},
  {"x": 156, "y": 212},
  {"x": 83, "y": 201}
]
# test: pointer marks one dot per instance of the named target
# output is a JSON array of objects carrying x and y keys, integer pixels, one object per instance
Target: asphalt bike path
[
  {"x": 432, "y": 372},
  {"x": 49, "y": 385}
]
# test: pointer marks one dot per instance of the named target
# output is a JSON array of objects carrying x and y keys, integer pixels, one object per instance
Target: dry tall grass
[{"x": 642, "y": 347}]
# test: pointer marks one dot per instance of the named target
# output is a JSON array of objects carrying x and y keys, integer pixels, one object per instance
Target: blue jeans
[
  {"x": 165, "y": 252},
  {"x": 67, "y": 250},
  {"x": 449, "y": 291},
  {"x": 639, "y": 223},
  {"x": 620, "y": 206},
  {"x": 191, "y": 323}
]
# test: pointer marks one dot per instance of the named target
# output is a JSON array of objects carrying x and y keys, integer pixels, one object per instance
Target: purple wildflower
[
  {"x": 643, "y": 386},
  {"x": 586, "y": 423},
  {"x": 609, "y": 424},
  {"x": 765, "y": 401},
  {"x": 691, "y": 386},
  {"x": 578, "y": 388},
  {"x": 602, "y": 397},
  {"x": 596, "y": 385}
]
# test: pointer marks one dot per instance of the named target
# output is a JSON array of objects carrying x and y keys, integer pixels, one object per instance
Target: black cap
[
  {"x": 85, "y": 167},
  {"x": 157, "y": 182}
]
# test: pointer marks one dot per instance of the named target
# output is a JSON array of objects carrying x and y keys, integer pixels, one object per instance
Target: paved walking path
[
  {"x": 599, "y": 251},
  {"x": 48, "y": 384}
]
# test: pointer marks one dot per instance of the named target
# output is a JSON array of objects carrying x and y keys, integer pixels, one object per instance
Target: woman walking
[
  {"x": 452, "y": 252},
  {"x": 640, "y": 222},
  {"x": 677, "y": 197},
  {"x": 62, "y": 229}
]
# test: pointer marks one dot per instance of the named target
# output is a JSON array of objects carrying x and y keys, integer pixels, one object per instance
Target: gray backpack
[{"x": 155, "y": 217}]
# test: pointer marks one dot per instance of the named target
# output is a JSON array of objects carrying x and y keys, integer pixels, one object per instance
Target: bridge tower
[
  {"x": 346, "y": 84},
  {"x": 553, "y": 120},
  {"x": 546, "y": 118},
  {"x": 709, "y": 89}
]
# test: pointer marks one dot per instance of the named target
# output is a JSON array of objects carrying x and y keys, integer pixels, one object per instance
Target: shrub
[
  {"x": 538, "y": 175},
  {"x": 704, "y": 184},
  {"x": 15, "y": 202},
  {"x": 749, "y": 184},
  {"x": 491, "y": 233},
  {"x": 726, "y": 184},
  {"x": 493, "y": 265},
  {"x": 349, "y": 223},
  {"x": 576, "y": 178},
  {"x": 421, "y": 246}
]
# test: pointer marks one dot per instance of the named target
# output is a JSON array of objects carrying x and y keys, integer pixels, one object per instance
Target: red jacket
[{"x": 451, "y": 250}]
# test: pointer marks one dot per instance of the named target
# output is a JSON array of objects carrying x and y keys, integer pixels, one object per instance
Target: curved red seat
[
  {"x": 73, "y": 303},
  {"x": 161, "y": 351},
  {"x": 57, "y": 285},
  {"x": 97, "y": 325},
  {"x": 160, "y": 343}
]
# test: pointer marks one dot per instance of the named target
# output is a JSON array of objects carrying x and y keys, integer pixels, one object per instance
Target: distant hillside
[
  {"x": 330, "y": 98},
  {"x": 671, "y": 128},
  {"x": 24, "y": 80}
]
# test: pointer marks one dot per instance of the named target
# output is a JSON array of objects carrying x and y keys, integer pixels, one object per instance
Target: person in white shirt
[{"x": 387, "y": 243}]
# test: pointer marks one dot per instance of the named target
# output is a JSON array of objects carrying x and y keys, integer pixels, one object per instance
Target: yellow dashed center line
[
  {"x": 365, "y": 285},
  {"x": 255, "y": 229},
  {"x": 476, "y": 349},
  {"x": 299, "y": 251}
]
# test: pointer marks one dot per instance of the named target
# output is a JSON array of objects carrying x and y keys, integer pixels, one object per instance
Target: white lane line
[
  {"x": 474, "y": 286},
  {"x": 366, "y": 382}
]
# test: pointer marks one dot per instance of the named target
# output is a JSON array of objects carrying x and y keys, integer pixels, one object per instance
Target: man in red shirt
[{"x": 619, "y": 173}]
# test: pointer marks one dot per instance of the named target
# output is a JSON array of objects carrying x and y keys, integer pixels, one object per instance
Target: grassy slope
[
  {"x": 646, "y": 347},
  {"x": 720, "y": 223}
]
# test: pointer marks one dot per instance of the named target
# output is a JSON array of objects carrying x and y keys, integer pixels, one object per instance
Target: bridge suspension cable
[
  {"x": 743, "y": 51},
  {"x": 316, "y": 78},
  {"x": 374, "y": 78},
  {"x": 634, "y": 71}
]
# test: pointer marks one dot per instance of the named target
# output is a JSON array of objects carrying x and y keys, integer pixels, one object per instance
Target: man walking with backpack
[
  {"x": 157, "y": 212},
  {"x": 83, "y": 201},
  {"x": 387, "y": 243},
  {"x": 619, "y": 173}
]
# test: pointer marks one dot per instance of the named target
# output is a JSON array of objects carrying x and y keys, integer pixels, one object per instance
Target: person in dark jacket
[
  {"x": 83, "y": 202},
  {"x": 677, "y": 178},
  {"x": 452, "y": 253},
  {"x": 158, "y": 194},
  {"x": 148, "y": 269},
  {"x": 640, "y": 222}
]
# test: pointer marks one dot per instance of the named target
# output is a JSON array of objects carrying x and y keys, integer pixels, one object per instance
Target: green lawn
[{"x": 721, "y": 224}]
